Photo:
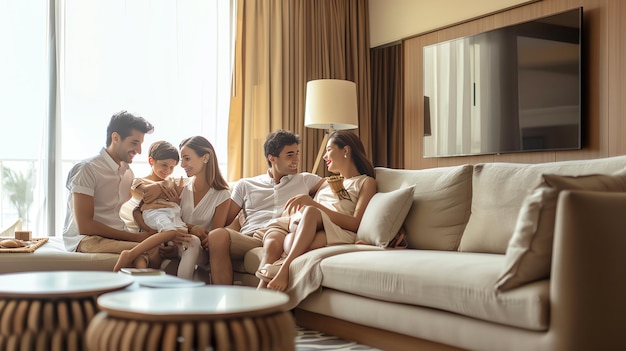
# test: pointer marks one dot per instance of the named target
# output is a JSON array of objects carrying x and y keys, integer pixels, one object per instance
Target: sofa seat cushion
[
  {"x": 457, "y": 282},
  {"x": 52, "y": 256}
]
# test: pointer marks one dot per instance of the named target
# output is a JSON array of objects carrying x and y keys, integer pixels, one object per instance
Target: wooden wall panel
[
  {"x": 604, "y": 79},
  {"x": 617, "y": 73}
]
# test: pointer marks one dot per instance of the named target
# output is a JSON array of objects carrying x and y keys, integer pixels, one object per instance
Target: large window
[
  {"x": 23, "y": 111},
  {"x": 168, "y": 61}
]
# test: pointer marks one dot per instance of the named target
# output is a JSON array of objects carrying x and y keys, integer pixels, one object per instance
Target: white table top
[
  {"x": 208, "y": 302},
  {"x": 61, "y": 284}
]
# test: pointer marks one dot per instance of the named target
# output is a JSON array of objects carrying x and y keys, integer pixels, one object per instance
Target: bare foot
[
  {"x": 125, "y": 260},
  {"x": 281, "y": 280}
]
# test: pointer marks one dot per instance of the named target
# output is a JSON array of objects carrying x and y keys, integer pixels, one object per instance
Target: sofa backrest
[
  {"x": 499, "y": 190},
  {"x": 441, "y": 203}
]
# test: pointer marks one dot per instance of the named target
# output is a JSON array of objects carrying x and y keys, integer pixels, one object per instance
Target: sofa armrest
[{"x": 588, "y": 278}]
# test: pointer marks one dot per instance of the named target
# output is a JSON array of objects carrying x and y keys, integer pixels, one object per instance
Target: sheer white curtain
[
  {"x": 23, "y": 112},
  {"x": 448, "y": 80},
  {"x": 169, "y": 61}
]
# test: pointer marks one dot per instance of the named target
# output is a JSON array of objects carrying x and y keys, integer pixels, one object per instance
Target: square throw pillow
[
  {"x": 529, "y": 253},
  {"x": 384, "y": 216}
]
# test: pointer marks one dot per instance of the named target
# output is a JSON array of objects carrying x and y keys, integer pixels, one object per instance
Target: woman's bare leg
[
  {"x": 305, "y": 238},
  {"x": 272, "y": 250},
  {"x": 288, "y": 242},
  {"x": 128, "y": 256}
]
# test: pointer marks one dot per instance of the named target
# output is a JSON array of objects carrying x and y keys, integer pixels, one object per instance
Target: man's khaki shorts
[{"x": 98, "y": 244}]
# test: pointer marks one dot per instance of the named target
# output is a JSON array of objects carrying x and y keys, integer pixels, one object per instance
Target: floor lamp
[{"x": 331, "y": 104}]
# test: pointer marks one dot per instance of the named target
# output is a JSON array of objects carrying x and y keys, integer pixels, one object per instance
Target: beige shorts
[{"x": 98, "y": 244}]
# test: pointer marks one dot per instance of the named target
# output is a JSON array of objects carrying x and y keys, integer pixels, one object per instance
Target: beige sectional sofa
[{"x": 494, "y": 262}]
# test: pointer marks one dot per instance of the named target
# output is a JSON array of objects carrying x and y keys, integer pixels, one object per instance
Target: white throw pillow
[
  {"x": 529, "y": 253},
  {"x": 384, "y": 216}
]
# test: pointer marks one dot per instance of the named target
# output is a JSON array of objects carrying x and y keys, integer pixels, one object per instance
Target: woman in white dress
[
  {"x": 334, "y": 215},
  {"x": 204, "y": 200}
]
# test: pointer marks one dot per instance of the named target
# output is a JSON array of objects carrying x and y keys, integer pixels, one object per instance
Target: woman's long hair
[
  {"x": 201, "y": 146},
  {"x": 343, "y": 138}
]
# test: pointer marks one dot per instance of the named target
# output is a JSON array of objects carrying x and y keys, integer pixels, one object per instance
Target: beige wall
[
  {"x": 392, "y": 20},
  {"x": 604, "y": 81}
]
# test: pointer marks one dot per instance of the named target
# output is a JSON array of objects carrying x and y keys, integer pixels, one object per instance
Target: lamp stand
[{"x": 320, "y": 153}]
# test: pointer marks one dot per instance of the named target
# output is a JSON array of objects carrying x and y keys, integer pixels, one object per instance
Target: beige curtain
[{"x": 281, "y": 45}]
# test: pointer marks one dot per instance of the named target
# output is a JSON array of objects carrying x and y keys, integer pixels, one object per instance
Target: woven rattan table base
[
  {"x": 44, "y": 324},
  {"x": 275, "y": 331}
]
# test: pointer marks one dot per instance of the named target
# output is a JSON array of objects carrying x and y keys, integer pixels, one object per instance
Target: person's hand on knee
[{"x": 168, "y": 251}]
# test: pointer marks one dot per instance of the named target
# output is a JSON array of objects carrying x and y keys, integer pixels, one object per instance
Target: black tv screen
[{"x": 512, "y": 89}]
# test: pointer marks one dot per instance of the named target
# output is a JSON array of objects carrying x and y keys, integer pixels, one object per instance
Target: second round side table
[{"x": 203, "y": 318}]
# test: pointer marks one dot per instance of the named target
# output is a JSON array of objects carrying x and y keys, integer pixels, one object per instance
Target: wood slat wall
[{"x": 604, "y": 82}]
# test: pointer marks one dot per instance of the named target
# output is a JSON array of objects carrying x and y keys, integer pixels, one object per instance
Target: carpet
[{"x": 311, "y": 340}]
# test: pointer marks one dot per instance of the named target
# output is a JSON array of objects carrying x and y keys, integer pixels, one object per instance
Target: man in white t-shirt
[
  {"x": 100, "y": 185},
  {"x": 260, "y": 199}
]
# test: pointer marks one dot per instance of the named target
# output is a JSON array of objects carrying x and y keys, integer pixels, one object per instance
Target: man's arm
[
  {"x": 233, "y": 210},
  {"x": 316, "y": 187},
  {"x": 84, "y": 212},
  {"x": 138, "y": 216}
]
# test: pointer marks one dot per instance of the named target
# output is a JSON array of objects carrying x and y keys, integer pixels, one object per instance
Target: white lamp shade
[{"x": 331, "y": 104}]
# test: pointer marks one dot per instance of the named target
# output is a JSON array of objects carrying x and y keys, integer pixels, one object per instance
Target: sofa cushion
[
  {"x": 441, "y": 203},
  {"x": 384, "y": 216},
  {"x": 499, "y": 189},
  {"x": 52, "y": 256},
  {"x": 529, "y": 253},
  {"x": 456, "y": 282}
]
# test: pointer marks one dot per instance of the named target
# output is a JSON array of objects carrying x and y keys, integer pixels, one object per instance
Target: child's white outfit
[
  {"x": 163, "y": 219},
  {"x": 169, "y": 218}
]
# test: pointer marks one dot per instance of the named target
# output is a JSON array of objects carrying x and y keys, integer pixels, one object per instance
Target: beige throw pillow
[
  {"x": 384, "y": 216},
  {"x": 529, "y": 253}
]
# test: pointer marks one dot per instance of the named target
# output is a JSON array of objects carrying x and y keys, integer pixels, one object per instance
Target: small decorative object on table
[
  {"x": 20, "y": 245},
  {"x": 24, "y": 235}
]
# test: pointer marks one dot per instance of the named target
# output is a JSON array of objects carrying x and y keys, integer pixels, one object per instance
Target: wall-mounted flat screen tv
[{"x": 512, "y": 89}]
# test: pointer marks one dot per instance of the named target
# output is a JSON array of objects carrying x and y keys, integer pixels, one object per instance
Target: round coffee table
[
  {"x": 202, "y": 318},
  {"x": 51, "y": 310}
]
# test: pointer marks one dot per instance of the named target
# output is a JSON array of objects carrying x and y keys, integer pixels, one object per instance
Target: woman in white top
[{"x": 204, "y": 202}]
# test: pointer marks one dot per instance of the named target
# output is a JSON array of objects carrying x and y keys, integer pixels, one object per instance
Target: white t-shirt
[
  {"x": 109, "y": 185},
  {"x": 262, "y": 199},
  {"x": 203, "y": 213}
]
